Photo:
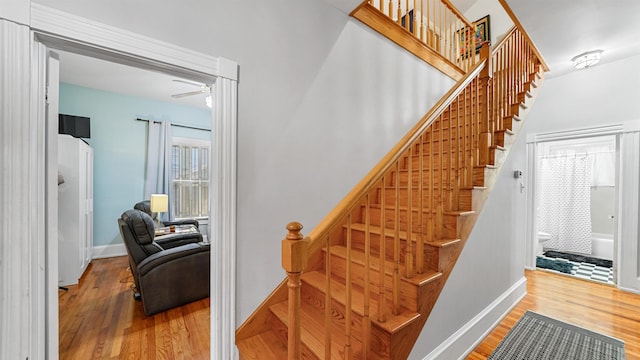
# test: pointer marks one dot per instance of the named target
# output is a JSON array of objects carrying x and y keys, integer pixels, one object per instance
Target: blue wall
[{"x": 119, "y": 147}]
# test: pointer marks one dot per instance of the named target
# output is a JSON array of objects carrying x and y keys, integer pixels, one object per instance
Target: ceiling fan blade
[
  {"x": 190, "y": 93},
  {"x": 189, "y": 82}
]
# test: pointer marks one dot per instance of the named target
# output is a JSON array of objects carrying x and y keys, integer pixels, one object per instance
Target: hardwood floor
[
  {"x": 597, "y": 307},
  {"x": 99, "y": 319}
]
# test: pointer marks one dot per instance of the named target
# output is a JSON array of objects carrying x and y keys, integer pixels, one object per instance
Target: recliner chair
[
  {"x": 145, "y": 206},
  {"x": 169, "y": 270}
]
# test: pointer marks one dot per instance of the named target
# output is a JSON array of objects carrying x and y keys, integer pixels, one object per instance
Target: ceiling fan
[{"x": 204, "y": 89}]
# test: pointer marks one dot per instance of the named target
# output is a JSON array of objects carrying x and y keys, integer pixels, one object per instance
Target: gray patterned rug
[{"x": 537, "y": 337}]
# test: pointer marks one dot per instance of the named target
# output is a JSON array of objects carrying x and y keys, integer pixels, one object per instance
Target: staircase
[{"x": 362, "y": 284}]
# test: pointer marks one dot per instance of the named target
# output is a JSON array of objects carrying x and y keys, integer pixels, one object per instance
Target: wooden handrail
[
  {"x": 458, "y": 13},
  {"x": 517, "y": 23}
]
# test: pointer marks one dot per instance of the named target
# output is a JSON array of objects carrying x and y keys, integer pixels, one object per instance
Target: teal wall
[{"x": 119, "y": 147}]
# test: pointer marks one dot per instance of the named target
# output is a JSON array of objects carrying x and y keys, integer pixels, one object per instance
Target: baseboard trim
[
  {"x": 630, "y": 290},
  {"x": 463, "y": 341},
  {"x": 107, "y": 251}
]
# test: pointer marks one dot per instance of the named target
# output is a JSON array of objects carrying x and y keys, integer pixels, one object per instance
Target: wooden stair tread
[
  {"x": 374, "y": 262},
  {"x": 264, "y": 346},
  {"x": 403, "y": 235},
  {"x": 460, "y": 212},
  {"x": 393, "y": 324},
  {"x": 424, "y": 210},
  {"x": 312, "y": 333},
  {"x": 506, "y": 131}
]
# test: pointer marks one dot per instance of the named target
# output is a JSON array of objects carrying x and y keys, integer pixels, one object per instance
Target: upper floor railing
[{"x": 436, "y": 24}]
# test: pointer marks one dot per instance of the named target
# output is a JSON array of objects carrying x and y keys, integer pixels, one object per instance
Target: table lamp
[{"x": 159, "y": 204}]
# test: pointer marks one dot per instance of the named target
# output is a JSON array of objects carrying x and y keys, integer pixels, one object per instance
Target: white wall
[
  {"x": 15, "y": 10},
  {"x": 499, "y": 20}
]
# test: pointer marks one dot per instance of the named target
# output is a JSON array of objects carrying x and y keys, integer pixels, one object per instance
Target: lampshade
[
  {"x": 159, "y": 203},
  {"x": 587, "y": 59}
]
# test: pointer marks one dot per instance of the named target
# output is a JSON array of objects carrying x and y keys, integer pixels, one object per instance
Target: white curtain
[
  {"x": 565, "y": 202},
  {"x": 157, "y": 179},
  {"x": 603, "y": 165}
]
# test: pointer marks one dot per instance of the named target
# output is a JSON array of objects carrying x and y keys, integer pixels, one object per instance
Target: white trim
[
  {"x": 627, "y": 199},
  {"x": 68, "y": 32},
  {"x": 52, "y": 75},
  {"x": 633, "y": 291},
  {"x": 628, "y": 211},
  {"x": 577, "y": 133},
  {"x": 108, "y": 251},
  {"x": 467, "y": 338},
  {"x": 100, "y": 37},
  {"x": 223, "y": 219},
  {"x": 22, "y": 221}
]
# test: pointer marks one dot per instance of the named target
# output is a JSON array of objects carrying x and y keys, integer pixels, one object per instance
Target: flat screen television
[{"x": 76, "y": 126}]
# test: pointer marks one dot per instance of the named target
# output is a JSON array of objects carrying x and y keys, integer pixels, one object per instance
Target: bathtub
[{"x": 602, "y": 246}]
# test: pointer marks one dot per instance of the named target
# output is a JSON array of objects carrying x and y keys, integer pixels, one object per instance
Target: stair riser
[
  {"x": 433, "y": 154},
  {"x": 445, "y": 197},
  {"x": 479, "y": 175},
  {"x": 316, "y": 298},
  {"x": 408, "y": 292},
  {"x": 358, "y": 240},
  {"x": 281, "y": 331},
  {"x": 430, "y": 177},
  {"x": 437, "y": 258},
  {"x": 426, "y": 227}
]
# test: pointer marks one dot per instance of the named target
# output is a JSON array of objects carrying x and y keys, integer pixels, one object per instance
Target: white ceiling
[
  {"x": 561, "y": 29},
  {"x": 104, "y": 75}
]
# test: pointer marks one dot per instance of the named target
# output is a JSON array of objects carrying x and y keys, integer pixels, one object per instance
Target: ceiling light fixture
[
  {"x": 587, "y": 59},
  {"x": 209, "y": 101}
]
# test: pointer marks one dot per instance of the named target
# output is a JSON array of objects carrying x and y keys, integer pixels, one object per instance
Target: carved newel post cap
[
  {"x": 294, "y": 231},
  {"x": 294, "y": 249}
]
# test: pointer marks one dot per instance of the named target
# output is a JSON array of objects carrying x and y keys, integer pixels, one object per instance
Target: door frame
[
  {"x": 626, "y": 183},
  {"x": 54, "y": 29}
]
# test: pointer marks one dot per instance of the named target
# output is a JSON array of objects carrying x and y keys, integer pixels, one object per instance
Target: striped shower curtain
[{"x": 564, "y": 202}]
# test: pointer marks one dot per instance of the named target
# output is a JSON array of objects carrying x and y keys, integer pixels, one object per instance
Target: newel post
[
  {"x": 484, "y": 141},
  {"x": 294, "y": 261}
]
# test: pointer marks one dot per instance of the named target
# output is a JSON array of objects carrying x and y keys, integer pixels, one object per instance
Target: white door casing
[
  {"x": 627, "y": 232},
  {"x": 27, "y": 266}
]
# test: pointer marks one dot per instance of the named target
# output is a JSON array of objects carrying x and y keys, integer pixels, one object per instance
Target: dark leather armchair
[
  {"x": 145, "y": 206},
  {"x": 169, "y": 270}
]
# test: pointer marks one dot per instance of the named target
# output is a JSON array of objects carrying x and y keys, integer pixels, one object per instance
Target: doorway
[
  {"x": 53, "y": 31},
  {"x": 576, "y": 205}
]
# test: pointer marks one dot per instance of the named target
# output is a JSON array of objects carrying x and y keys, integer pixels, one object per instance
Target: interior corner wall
[{"x": 119, "y": 145}]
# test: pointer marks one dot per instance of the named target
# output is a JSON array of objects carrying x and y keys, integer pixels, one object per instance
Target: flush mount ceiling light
[{"x": 586, "y": 60}]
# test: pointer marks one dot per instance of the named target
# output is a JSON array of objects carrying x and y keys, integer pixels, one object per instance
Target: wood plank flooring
[
  {"x": 99, "y": 319},
  {"x": 597, "y": 307}
]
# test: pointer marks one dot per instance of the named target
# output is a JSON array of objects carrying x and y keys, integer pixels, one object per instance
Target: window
[{"x": 190, "y": 178}]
